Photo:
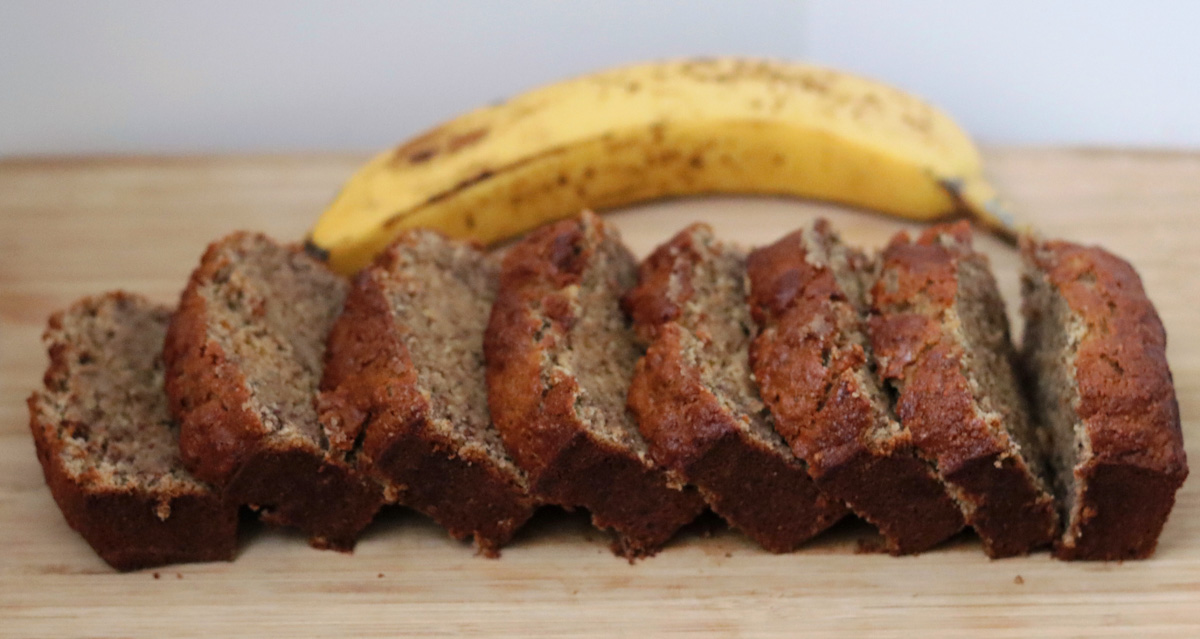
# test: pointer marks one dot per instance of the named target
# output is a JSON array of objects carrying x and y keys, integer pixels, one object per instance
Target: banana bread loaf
[
  {"x": 404, "y": 389},
  {"x": 1095, "y": 356},
  {"x": 108, "y": 447},
  {"x": 560, "y": 355},
  {"x": 940, "y": 334},
  {"x": 244, "y": 358},
  {"x": 695, "y": 401},
  {"x": 813, "y": 363}
]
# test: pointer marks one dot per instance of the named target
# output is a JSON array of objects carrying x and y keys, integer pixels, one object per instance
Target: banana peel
[{"x": 659, "y": 130}]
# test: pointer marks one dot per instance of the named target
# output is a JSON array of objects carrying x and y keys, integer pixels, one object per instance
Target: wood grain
[{"x": 74, "y": 227}]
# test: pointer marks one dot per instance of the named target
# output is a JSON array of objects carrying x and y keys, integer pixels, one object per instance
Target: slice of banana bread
[
  {"x": 244, "y": 358},
  {"x": 695, "y": 401},
  {"x": 940, "y": 334},
  {"x": 812, "y": 360},
  {"x": 560, "y": 355},
  {"x": 108, "y": 447},
  {"x": 1095, "y": 357},
  {"x": 404, "y": 388}
]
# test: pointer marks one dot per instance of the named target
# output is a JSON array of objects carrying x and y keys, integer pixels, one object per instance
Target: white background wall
[{"x": 145, "y": 76}]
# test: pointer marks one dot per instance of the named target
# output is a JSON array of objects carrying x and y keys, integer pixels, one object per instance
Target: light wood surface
[{"x": 75, "y": 227}]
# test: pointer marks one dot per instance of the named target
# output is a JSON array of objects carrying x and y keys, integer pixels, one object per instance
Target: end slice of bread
[
  {"x": 695, "y": 400},
  {"x": 560, "y": 355},
  {"x": 244, "y": 359},
  {"x": 107, "y": 444},
  {"x": 940, "y": 334},
  {"x": 812, "y": 359},
  {"x": 1095, "y": 360},
  {"x": 404, "y": 388}
]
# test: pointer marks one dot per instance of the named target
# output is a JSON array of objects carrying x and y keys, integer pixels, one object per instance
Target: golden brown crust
[
  {"x": 367, "y": 367},
  {"x": 677, "y": 414},
  {"x": 664, "y": 283},
  {"x": 1127, "y": 404},
  {"x": 918, "y": 284},
  {"x": 536, "y": 415},
  {"x": 809, "y": 373},
  {"x": 762, "y": 491},
  {"x": 203, "y": 384},
  {"x": 224, "y": 442},
  {"x": 123, "y": 525},
  {"x": 370, "y": 395}
]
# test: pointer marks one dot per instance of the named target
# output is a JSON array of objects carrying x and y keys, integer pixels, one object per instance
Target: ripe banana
[{"x": 626, "y": 135}]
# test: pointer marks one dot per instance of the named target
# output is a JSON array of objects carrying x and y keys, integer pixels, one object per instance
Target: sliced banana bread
[
  {"x": 941, "y": 337},
  {"x": 108, "y": 447},
  {"x": 404, "y": 388},
  {"x": 1095, "y": 357},
  {"x": 560, "y": 355},
  {"x": 695, "y": 401},
  {"x": 813, "y": 363},
  {"x": 244, "y": 359}
]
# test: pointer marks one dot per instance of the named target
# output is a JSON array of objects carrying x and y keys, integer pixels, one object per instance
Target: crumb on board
[{"x": 1018, "y": 580}]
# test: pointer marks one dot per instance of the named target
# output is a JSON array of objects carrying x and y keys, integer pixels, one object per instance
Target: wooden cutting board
[{"x": 74, "y": 227}]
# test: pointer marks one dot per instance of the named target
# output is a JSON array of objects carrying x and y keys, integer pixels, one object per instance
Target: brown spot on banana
[
  {"x": 482, "y": 176},
  {"x": 438, "y": 141},
  {"x": 424, "y": 155},
  {"x": 658, "y": 131},
  {"x": 419, "y": 149},
  {"x": 465, "y": 140}
]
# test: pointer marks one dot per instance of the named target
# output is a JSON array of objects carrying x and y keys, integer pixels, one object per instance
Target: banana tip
[{"x": 314, "y": 251}]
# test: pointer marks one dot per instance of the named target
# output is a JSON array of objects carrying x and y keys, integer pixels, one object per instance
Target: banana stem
[{"x": 979, "y": 201}]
